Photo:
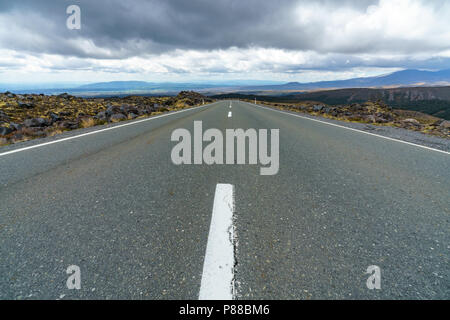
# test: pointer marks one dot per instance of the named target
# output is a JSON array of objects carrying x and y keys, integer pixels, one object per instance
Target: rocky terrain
[
  {"x": 434, "y": 101},
  {"x": 377, "y": 113},
  {"x": 29, "y": 116}
]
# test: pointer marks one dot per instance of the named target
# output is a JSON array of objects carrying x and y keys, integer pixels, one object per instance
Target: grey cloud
[
  {"x": 133, "y": 27},
  {"x": 4, "y": 64},
  {"x": 119, "y": 29}
]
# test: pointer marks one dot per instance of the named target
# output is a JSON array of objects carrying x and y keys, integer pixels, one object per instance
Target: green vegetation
[
  {"x": 437, "y": 108},
  {"x": 434, "y": 101}
]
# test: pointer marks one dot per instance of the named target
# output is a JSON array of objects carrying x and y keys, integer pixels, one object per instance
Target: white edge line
[
  {"x": 100, "y": 130},
  {"x": 352, "y": 129},
  {"x": 218, "y": 269}
]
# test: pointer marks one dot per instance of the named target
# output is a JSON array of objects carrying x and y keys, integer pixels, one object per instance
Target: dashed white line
[
  {"x": 352, "y": 129},
  {"x": 229, "y": 114},
  {"x": 218, "y": 268}
]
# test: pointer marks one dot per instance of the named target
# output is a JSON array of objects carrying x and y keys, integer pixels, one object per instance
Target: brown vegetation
[
  {"x": 29, "y": 116},
  {"x": 377, "y": 113}
]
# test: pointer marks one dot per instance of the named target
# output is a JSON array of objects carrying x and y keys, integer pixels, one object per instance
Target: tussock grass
[{"x": 87, "y": 123}]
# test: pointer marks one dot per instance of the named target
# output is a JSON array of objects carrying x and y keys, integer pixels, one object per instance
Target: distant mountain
[
  {"x": 166, "y": 87},
  {"x": 406, "y": 78},
  {"x": 396, "y": 79},
  {"x": 430, "y": 100},
  {"x": 123, "y": 88},
  {"x": 116, "y": 85},
  {"x": 136, "y": 86}
]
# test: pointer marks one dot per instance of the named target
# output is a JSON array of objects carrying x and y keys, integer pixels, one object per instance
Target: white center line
[
  {"x": 229, "y": 114},
  {"x": 218, "y": 268}
]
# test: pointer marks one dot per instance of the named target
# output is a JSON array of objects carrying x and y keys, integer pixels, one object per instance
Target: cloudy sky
[{"x": 187, "y": 40}]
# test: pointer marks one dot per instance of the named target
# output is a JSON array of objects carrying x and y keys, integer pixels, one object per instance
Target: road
[{"x": 138, "y": 226}]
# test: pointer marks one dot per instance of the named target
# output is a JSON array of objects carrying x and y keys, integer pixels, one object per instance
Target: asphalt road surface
[{"x": 138, "y": 226}]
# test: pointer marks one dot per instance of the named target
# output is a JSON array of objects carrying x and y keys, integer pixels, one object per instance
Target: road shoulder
[{"x": 389, "y": 132}]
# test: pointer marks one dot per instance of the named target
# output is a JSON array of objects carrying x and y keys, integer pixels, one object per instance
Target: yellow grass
[{"x": 87, "y": 123}]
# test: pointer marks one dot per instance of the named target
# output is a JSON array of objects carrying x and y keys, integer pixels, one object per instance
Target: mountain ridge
[
  {"x": 434, "y": 101},
  {"x": 408, "y": 77}
]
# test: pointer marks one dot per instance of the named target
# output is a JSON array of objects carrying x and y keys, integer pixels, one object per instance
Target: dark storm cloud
[
  {"x": 137, "y": 26},
  {"x": 338, "y": 32}
]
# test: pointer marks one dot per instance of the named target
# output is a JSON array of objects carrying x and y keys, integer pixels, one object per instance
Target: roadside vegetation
[
  {"x": 371, "y": 112},
  {"x": 30, "y": 116}
]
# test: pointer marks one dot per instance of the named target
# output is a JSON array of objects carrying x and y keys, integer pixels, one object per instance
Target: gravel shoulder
[{"x": 391, "y": 132}]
